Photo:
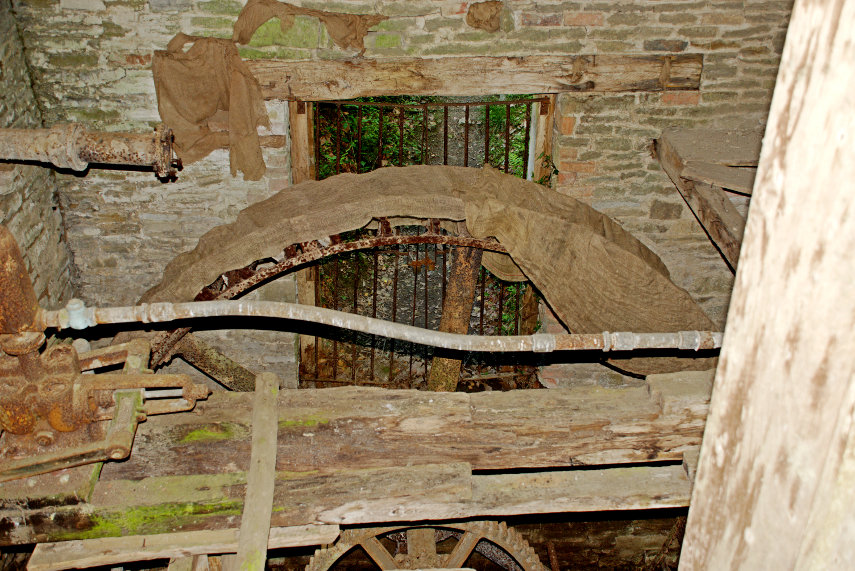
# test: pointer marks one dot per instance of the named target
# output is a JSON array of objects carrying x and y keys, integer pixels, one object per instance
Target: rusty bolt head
[
  {"x": 44, "y": 438},
  {"x": 22, "y": 343},
  {"x": 118, "y": 452}
]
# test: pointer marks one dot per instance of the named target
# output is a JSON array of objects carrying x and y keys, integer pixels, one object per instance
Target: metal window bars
[{"x": 406, "y": 283}]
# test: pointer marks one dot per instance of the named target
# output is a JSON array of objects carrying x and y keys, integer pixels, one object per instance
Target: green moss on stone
[
  {"x": 303, "y": 34},
  {"x": 286, "y": 53},
  {"x": 251, "y": 53},
  {"x": 395, "y": 25},
  {"x": 112, "y": 30},
  {"x": 93, "y": 115},
  {"x": 221, "y": 7},
  {"x": 387, "y": 41},
  {"x": 83, "y": 60},
  {"x": 212, "y": 22},
  {"x": 127, "y": 3}
]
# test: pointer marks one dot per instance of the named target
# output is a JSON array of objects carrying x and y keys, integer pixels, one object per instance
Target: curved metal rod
[
  {"x": 77, "y": 316},
  {"x": 164, "y": 342}
]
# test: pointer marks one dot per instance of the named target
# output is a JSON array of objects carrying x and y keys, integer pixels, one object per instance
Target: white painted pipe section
[{"x": 77, "y": 316}]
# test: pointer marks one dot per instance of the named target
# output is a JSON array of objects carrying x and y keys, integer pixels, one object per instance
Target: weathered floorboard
[
  {"x": 79, "y": 554},
  {"x": 376, "y": 455},
  {"x": 346, "y": 79},
  {"x": 360, "y": 427}
]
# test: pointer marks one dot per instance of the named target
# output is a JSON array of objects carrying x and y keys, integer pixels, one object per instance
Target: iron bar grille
[{"x": 407, "y": 283}]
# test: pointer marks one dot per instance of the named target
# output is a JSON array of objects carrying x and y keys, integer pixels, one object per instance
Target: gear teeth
[{"x": 497, "y": 533}]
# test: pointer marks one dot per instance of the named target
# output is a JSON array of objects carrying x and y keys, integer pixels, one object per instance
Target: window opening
[{"x": 407, "y": 283}]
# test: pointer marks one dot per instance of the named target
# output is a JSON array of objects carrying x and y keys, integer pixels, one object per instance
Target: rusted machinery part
[
  {"x": 72, "y": 146},
  {"x": 18, "y": 303},
  {"x": 494, "y": 540},
  {"x": 233, "y": 283},
  {"x": 77, "y": 316}
]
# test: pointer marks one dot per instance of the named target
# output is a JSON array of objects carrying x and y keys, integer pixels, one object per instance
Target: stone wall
[
  {"x": 91, "y": 63},
  {"x": 28, "y": 205}
]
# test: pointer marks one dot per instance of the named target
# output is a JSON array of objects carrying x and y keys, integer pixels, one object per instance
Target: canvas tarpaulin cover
[
  {"x": 208, "y": 96},
  {"x": 210, "y": 99},
  {"x": 594, "y": 274}
]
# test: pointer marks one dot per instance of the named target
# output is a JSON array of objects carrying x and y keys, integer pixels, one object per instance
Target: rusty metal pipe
[
  {"x": 71, "y": 146},
  {"x": 77, "y": 316}
]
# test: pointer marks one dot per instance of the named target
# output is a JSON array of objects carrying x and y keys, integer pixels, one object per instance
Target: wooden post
[
  {"x": 775, "y": 485},
  {"x": 456, "y": 309},
  {"x": 543, "y": 141},
  {"x": 302, "y": 169}
]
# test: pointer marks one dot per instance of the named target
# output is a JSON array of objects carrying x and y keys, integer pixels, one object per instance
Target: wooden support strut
[
  {"x": 701, "y": 164},
  {"x": 258, "y": 506}
]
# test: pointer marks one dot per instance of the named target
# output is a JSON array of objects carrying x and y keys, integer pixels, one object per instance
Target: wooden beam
[
  {"x": 503, "y": 495},
  {"x": 346, "y": 79},
  {"x": 79, "y": 554},
  {"x": 776, "y": 479},
  {"x": 358, "y": 497},
  {"x": 350, "y": 428},
  {"x": 730, "y": 147},
  {"x": 739, "y": 179},
  {"x": 258, "y": 506},
  {"x": 710, "y": 205},
  {"x": 380, "y": 455}
]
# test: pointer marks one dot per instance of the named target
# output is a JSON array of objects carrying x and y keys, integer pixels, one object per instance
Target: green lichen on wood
[
  {"x": 215, "y": 432},
  {"x": 310, "y": 420},
  {"x": 146, "y": 520}
]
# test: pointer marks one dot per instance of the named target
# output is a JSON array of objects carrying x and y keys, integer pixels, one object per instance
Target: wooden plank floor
[{"x": 362, "y": 455}]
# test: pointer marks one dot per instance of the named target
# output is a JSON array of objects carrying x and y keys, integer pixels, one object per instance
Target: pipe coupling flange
[
  {"x": 543, "y": 343},
  {"x": 64, "y": 146}
]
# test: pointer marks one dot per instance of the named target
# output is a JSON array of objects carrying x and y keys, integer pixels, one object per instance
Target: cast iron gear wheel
[{"x": 494, "y": 540}]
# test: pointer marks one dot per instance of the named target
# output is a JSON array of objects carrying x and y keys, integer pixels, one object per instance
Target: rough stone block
[
  {"x": 681, "y": 98},
  {"x": 87, "y": 5},
  {"x": 169, "y": 5},
  {"x": 567, "y": 125},
  {"x": 660, "y": 210},
  {"x": 665, "y": 45},
  {"x": 539, "y": 19},
  {"x": 584, "y": 19},
  {"x": 577, "y": 167}
]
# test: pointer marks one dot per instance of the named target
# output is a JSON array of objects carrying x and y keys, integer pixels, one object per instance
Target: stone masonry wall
[
  {"x": 28, "y": 205},
  {"x": 91, "y": 63}
]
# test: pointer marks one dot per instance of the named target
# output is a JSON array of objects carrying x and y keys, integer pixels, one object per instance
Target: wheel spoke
[
  {"x": 421, "y": 542},
  {"x": 378, "y": 553},
  {"x": 462, "y": 550}
]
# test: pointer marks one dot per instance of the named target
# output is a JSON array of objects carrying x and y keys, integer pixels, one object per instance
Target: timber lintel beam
[{"x": 347, "y": 79}]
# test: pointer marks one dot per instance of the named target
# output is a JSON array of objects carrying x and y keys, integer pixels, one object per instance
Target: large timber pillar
[{"x": 776, "y": 480}]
